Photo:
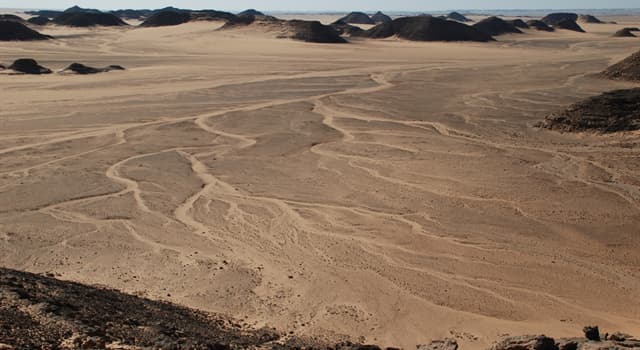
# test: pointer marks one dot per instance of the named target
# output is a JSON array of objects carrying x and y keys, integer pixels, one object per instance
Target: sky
[{"x": 328, "y": 5}]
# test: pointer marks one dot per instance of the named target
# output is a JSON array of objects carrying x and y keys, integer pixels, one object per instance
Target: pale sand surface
[{"x": 394, "y": 190}]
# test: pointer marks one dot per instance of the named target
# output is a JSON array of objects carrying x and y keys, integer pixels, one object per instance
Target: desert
[{"x": 419, "y": 179}]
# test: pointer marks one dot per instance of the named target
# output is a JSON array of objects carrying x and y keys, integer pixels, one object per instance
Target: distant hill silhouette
[
  {"x": 251, "y": 12},
  {"x": 553, "y": 19},
  {"x": 456, "y": 16},
  {"x": 427, "y": 28},
  {"x": 357, "y": 18},
  {"x": 174, "y": 17},
  {"x": 39, "y": 20}
]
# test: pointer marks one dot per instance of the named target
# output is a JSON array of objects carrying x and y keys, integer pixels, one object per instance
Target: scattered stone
[
  {"x": 380, "y": 17},
  {"x": 446, "y": 344},
  {"x": 28, "y": 66},
  {"x": 357, "y": 18},
  {"x": 16, "y": 31},
  {"x": 496, "y": 26},
  {"x": 539, "y": 25},
  {"x": 592, "y": 332},
  {"x": 427, "y": 28},
  {"x": 627, "y": 69}
]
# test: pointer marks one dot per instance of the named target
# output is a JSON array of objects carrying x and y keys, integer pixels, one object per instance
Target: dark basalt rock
[
  {"x": 589, "y": 19},
  {"x": 496, "y": 26},
  {"x": 627, "y": 69},
  {"x": 624, "y": 33},
  {"x": 166, "y": 18},
  {"x": 380, "y": 17},
  {"x": 569, "y": 25},
  {"x": 80, "y": 68},
  {"x": 612, "y": 111},
  {"x": 456, "y": 16},
  {"x": 357, "y": 18},
  {"x": 88, "y": 19},
  {"x": 346, "y": 28},
  {"x": 39, "y": 20},
  {"x": 28, "y": 66},
  {"x": 314, "y": 32},
  {"x": 427, "y": 28},
  {"x": 518, "y": 23},
  {"x": 553, "y": 19},
  {"x": 539, "y": 25},
  {"x": 16, "y": 31},
  {"x": 592, "y": 332}
]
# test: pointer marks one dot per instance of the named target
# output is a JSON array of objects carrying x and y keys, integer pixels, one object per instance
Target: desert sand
[{"x": 387, "y": 189}]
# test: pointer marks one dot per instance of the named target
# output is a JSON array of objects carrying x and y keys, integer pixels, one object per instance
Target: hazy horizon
[{"x": 333, "y": 5}]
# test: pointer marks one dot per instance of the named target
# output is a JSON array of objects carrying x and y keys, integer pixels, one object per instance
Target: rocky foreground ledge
[{"x": 41, "y": 312}]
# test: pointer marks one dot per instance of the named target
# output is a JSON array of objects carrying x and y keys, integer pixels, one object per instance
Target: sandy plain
[{"x": 386, "y": 189}]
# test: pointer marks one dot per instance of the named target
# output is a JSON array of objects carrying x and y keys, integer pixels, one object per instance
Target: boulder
[
  {"x": 526, "y": 342},
  {"x": 496, "y": 26},
  {"x": 592, "y": 332},
  {"x": 28, "y": 66},
  {"x": 427, "y": 28},
  {"x": 80, "y": 68}
]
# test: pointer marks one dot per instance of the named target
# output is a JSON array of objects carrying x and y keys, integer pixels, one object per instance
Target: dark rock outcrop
[
  {"x": 589, "y": 19},
  {"x": 88, "y": 19},
  {"x": 166, "y": 18},
  {"x": 553, "y": 19},
  {"x": 456, "y": 16},
  {"x": 346, "y": 28},
  {"x": 78, "y": 9},
  {"x": 518, "y": 23},
  {"x": 612, "y": 111},
  {"x": 496, "y": 26},
  {"x": 314, "y": 32},
  {"x": 526, "y": 342},
  {"x": 357, "y": 18},
  {"x": 132, "y": 14},
  {"x": 39, "y": 20},
  {"x": 380, "y": 17},
  {"x": 427, "y": 28},
  {"x": 593, "y": 332},
  {"x": 446, "y": 344},
  {"x": 539, "y": 25},
  {"x": 45, "y": 13},
  {"x": 569, "y": 25},
  {"x": 16, "y": 31},
  {"x": 627, "y": 69},
  {"x": 28, "y": 66},
  {"x": 80, "y": 68},
  {"x": 624, "y": 33}
]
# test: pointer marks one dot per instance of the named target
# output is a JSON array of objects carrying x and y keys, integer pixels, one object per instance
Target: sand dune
[{"x": 388, "y": 189}]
